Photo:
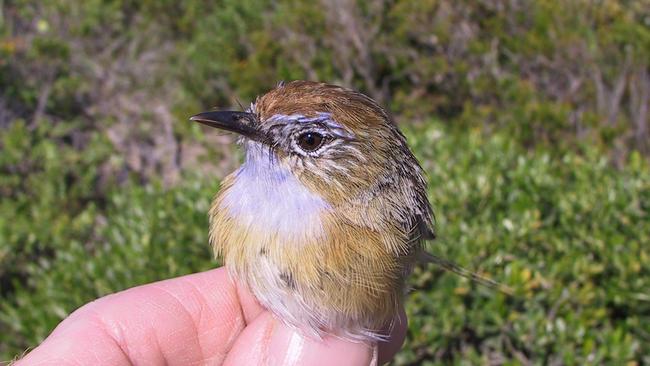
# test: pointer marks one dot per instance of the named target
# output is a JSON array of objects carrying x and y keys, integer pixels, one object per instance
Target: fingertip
[
  {"x": 269, "y": 341},
  {"x": 251, "y": 347}
]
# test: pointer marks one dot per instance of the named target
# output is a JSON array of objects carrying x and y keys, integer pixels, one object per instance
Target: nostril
[{"x": 245, "y": 119}]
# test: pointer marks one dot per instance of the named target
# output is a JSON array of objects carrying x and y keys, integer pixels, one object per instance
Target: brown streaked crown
[{"x": 350, "y": 108}]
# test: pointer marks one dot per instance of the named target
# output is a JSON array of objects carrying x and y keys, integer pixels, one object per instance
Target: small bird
[{"x": 327, "y": 215}]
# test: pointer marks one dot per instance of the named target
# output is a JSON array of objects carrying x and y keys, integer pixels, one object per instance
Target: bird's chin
[
  {"x": 258, "y": 153},
  {"x": 244, "y": 141}
]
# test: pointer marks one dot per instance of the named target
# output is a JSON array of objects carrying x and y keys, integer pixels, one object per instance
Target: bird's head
[{"x": 336, "y": 141}]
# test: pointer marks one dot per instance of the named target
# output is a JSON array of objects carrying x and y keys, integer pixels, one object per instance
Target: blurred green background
[{"x": 530, "y": 117}]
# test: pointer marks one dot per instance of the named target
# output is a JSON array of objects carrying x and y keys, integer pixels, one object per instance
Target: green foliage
[
  {"x": 45, "y": 189},
  {"x": 568, "y": 233},
  {"x": 551, "y": 72},
  {"x": 547, "y": 71},
  {"x": 63, "y": 243}
]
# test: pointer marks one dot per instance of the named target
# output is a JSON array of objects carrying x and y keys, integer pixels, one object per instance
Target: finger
[
  {"x": 269, "y": 341},
  {"x": 190, "y": 319}
]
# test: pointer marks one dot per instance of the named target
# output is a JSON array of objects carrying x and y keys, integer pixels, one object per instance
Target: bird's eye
[{"x": 310, "y": 141}]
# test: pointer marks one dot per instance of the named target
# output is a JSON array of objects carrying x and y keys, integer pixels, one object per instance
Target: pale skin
[{"x": 198, "y": 319}]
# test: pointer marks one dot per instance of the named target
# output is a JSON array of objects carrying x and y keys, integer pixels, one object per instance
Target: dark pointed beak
[{"x": 239, "y": 122}]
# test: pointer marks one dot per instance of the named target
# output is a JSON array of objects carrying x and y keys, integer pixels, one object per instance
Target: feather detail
[{"x": 450, "y": 266}]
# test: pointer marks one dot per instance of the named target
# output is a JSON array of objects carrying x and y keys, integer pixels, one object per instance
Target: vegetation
[{"x": 531, "y": 119}]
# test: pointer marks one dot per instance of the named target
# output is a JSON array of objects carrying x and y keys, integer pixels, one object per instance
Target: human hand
[{"x": 202, "y": 318}]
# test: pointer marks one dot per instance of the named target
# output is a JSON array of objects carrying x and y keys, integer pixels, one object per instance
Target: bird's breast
[{"x": 268, "y": 199}]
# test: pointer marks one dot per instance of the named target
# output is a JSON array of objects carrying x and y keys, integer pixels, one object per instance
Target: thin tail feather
[{"x": 453, "y": 267}]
